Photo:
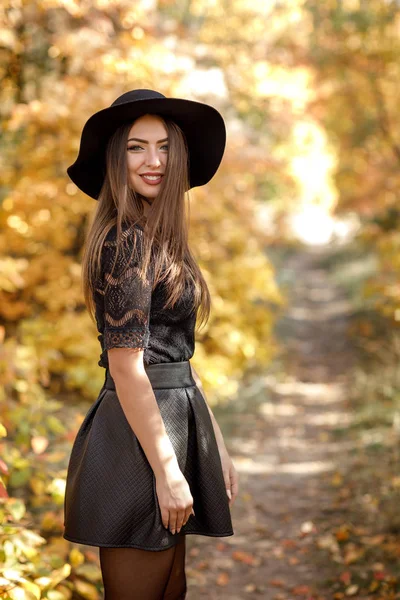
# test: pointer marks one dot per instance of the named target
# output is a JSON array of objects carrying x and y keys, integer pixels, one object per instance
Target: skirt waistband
[{"x": 163, "y": 375}]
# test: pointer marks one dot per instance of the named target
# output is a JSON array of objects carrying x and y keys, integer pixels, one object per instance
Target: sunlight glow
[
  {"x": 313, "y": 225},
  {"x": 250, "y": 466}
]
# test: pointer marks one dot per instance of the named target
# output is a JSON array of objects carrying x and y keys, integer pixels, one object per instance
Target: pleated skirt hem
[{"x": 154, "y": 549}]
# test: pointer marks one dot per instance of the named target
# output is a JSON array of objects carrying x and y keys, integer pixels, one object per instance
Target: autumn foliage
[
  {"x": 309, "y": 93},
  {"x": 60, "y": 62}
]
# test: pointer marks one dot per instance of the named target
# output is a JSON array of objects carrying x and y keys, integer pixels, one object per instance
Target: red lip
[{"x": 155, "y": 182}]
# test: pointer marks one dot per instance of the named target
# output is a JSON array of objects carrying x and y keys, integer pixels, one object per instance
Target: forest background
[{"x": 309, "y": 94}]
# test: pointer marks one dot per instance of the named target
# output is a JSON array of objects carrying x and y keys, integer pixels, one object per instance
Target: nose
[{"x": 152, "y": 158}]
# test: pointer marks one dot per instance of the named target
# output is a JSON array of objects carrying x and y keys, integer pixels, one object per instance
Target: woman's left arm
[{"x": 230, "y": 474}]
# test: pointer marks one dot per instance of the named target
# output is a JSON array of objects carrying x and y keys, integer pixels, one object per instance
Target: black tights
[{"x": 134, "y": 574}]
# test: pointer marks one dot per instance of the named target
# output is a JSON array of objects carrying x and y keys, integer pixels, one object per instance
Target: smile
[{"x": 152, "y": 179}]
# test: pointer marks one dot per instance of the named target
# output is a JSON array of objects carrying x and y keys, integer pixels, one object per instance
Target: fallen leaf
[
  {"x": 301, "y": 590},
  {"x": 223, "y": 579},
  {"x": 374, "y": 586},
  {"x": 221, "y": 546},
  {"x": 353, "y": 555},
  {"x": 276, "y": 582},
  {"x": 244, "y": 557},
  {"x": 307, "y": 527},
  {"x": 337, "y": 479},
  {"x": 351, "y": 590},
  {"x": 342, "y": 534},
  {"x": 345, "y": 577}
]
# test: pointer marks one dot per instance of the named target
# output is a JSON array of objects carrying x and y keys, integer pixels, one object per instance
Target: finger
[
  {"x": 227, "y": 480},
  {"x": 165, "y": 518},
  {"x": 180, "y": 520},
  {"x": 188, "y": 512},
  {"x": 173, "y": 518},
  {"x": 227, "y": 484},
  {"x": 234, "y": 490},
  {"x": 234, "y": 486}
]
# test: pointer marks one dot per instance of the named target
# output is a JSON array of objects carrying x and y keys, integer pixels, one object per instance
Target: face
[{"x": 147, "y": 154}]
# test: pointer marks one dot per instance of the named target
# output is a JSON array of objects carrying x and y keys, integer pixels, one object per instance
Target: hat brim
[{"x": 202, "y": 125}]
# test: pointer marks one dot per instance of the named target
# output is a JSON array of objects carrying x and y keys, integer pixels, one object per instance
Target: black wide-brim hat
[{"x": 203, "y": 126}]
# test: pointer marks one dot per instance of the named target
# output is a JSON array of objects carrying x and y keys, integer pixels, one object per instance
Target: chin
[{"x": 148, "y": 196}]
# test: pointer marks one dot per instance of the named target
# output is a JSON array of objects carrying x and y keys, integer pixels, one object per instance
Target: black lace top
[{"x": 130, "y": 315}]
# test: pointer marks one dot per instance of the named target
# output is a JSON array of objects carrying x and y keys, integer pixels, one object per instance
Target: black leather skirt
[{"x": 110, "y": 496}]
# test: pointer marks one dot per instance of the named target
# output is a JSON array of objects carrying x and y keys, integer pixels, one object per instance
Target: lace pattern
[
  {"x": 127, "y": 306},
  {"x": 126, "y": 339},
  {"x": 127, "y": 297}
]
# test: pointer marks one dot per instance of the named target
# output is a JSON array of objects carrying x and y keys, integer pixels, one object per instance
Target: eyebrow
[{"x": 146, "y": 141}]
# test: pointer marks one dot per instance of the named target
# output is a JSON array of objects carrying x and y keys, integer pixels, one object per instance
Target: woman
[{"x": 149, "y": 464}]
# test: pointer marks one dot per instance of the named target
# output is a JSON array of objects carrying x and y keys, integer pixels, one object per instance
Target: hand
[
  {"x": 231, "y": 477},
  {"x": 174, "y": 498}
]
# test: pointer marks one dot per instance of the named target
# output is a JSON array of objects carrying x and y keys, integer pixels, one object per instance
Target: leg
[
  {"x": 134, "y": 574},
  {"x": 176, "y": 586}
]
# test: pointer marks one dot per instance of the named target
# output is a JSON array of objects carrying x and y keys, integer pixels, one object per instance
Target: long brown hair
[{"x": 165, "y": 239}]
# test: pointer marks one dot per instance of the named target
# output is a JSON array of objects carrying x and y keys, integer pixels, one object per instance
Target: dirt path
[{"x": 281, "y": 440}]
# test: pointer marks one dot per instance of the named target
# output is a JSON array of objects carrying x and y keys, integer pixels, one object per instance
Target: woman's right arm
[{"x": 139, "y": 404}]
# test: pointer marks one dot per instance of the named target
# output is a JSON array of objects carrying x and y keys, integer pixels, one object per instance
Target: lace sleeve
[{"x": 127, "y": 297}]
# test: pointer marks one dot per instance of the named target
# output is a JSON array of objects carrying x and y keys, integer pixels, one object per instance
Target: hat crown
[{"x": 135, "y": 95}]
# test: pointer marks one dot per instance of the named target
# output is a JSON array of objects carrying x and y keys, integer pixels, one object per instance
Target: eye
[
  {"x": 165, "y": 146},
  {"x": 134, "y": 147}
]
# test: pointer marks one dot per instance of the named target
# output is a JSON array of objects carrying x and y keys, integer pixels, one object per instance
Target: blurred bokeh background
[{"x": 298, "y": 236}]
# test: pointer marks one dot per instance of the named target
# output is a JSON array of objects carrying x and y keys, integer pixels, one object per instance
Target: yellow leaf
[
  {"x": 76, "y": 557},
  {"x": 374, "y": 586},
  {"x": 43, "y": 582},
  {"x": 60, "y": 574},
  {"x": 90, "y": 571},
  {"x": 37, "y": 485},
  {"x": 31, "y": 587},
  {"x": 51, "y": 581},
  {"x": 18, "y": 593},
  {"x": 55, "y": 595},
  {"x": 61, "y": 593},
  {"x": 17, "y": 508},
  {"x": 33, "y": 538},
  {"x": 54, "y": 424},
  {"x": 337, "y": 479},
  {"x": 86, "y": 590},
  {"x": 64, "y": 590},
  {"x": 49, "y": 521}
]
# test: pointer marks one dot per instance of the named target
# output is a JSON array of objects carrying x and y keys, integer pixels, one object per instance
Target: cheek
[{"x": 133, "y": 162}]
